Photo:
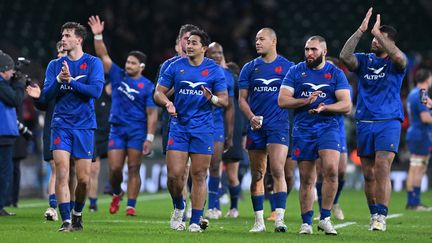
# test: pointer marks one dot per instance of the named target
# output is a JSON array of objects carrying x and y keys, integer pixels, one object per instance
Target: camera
[
  {"x": 19, "y": 74},
  {"x": 24, "y": 130}
]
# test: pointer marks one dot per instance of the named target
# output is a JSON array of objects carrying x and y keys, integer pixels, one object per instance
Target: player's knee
[
  {"x": 133, "y": 170},
  {"x": 257, "y": 175},
  {"x": 307, "y": 180}
]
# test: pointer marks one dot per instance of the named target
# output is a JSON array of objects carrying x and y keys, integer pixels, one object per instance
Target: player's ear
[{"x": 205, "y": 48}]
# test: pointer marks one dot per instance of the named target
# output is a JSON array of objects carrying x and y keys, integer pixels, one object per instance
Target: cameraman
[{"x": 11, "y": 95}]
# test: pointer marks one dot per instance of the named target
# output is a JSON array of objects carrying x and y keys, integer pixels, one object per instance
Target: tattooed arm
[
  {"x": 347, "y": 53},
  {"x": 395, "y": 54}
]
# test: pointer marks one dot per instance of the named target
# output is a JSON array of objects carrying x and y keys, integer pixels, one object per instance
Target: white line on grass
[
  {"x": 103, "y": 200},
  {"x": 130, "y": 221},
  {"x": 338, "y": 226},
  {"x": 392, "y": 216}
]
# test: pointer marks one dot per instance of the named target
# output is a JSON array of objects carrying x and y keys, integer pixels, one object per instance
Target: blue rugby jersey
[
  {"x": 130, "y": 98},
  {"x": 165, "y": 64},
  {"x": 417, "y": 130},
  {"x": 218, "y": 112},
  {"x": 263, "y": 80},
  {"x": 195, "y": 112},
  {"x": 74, "y": 108},
  {"x": 303, "y": 81},
  {"x": 379, "y": 85}
]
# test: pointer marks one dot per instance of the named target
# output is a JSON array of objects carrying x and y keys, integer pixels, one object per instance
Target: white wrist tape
[
  {"x": 58, "y": 79},
  {"x": 214, "y": 99},
  {"x": 98, "y": 37},
  {"x": 150, "y": 137}
]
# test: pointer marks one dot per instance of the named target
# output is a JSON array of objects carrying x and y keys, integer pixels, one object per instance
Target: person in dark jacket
[{"x": 11, "y": 95}]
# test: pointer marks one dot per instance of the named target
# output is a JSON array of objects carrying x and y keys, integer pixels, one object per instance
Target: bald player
[
  {"x": 319, "y": 92},
  {"x": 259, "y": 83}
]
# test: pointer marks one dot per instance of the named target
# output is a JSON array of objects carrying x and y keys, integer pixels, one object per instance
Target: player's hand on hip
[
  {"x": 364, "y": 25},
  {"x": 96, "y": 25},
  {"x": 33, "y": 91},
  {"x": 171, "y": 109}
]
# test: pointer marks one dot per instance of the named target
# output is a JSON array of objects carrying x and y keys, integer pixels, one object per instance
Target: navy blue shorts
[
  {"x": 258, "y": 139},
  {"x": 78, "y": 142},
  {"x": 219, "y": 135},
  {"x": 199, "y": 143},
  {"x": 306, "y": 144},
  {"x": 123, "y": 137},
  {"x": 377, "y": 136}
]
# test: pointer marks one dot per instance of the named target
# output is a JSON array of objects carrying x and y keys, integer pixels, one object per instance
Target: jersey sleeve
[
  {"x": 95, "y": 82},
  {"x": 149, "y": 99},
  {"x": 166, "y": 78},
  {"x": 362, "y": 62},
  {"x": 229, "y": 77},
  {"x": 220, "y": 84},
  {"x": 289, "y": 79},
  {"x": 341, "y": 81},
  {"x": 51, "y": 86},
  {"x": 115, "y": 74},
  {"x": 243, "y": 80}
]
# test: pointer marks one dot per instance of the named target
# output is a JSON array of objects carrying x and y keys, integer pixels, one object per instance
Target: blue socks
[
  {"x": 272, "y": 201},
  {"x": 318, "y": 186},
  {"x": 93, "y": 201},
  {"x": 382, "y": 209},
  {"x": 307, "y": 217},
  {"x": 78, "y": 207},
  {"x": 280, "y": 199},
  {"x": 178, "y": 202},
  {"x": 373, "y": 208},
  {"x": 72, "y": 205},
  {"x": 131, "y": 203},
  {"x": 234, "y": 193},
  {"x": 196, "y": 216},
  {"x": 65, "y": 210},
  {"x": 324, "y": 213},
  {"x": 258, "y": 202},
  {"x": 52, "y": 201},
  {"x": 339, "y": 190},
  {"x": 213, "y": 192}
]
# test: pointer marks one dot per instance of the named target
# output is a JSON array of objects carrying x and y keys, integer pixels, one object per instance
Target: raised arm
[
  {"x": 97, "y": 28},
  {"x": 396, "y": 55},
  {"x": 347, "y": 53}
]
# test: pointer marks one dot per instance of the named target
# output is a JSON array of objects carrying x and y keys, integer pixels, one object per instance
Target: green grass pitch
[{"x": 152, "y": 223}]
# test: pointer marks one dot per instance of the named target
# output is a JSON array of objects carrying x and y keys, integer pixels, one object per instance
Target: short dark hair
[
  {"x": 142, "y": 58},
  {"x": 390, "y": 30},
  {"x": 205, "y": 39},
  {"x": 78, "y": 28},
  {"x": 422, "y": 75},
  {"x": 186, "y": 28},
  {"x": 318, "y": 38}
]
